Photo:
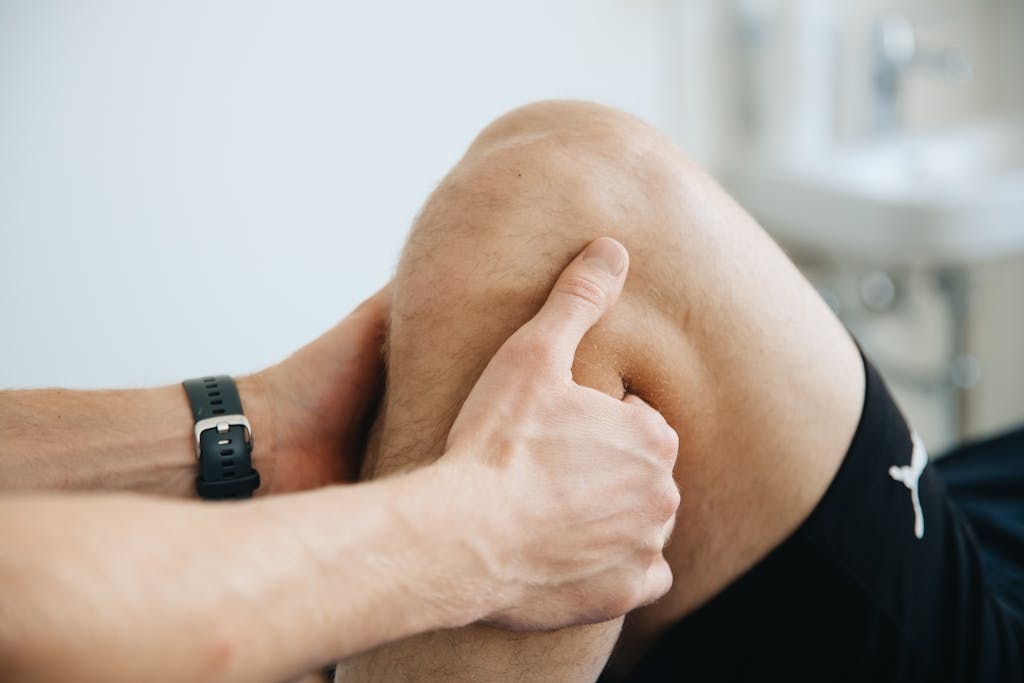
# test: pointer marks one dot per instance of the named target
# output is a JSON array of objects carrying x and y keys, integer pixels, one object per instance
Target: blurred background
[{"x": 198, "y": 187}]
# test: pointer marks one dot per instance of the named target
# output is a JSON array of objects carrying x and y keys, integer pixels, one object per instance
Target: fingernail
[{"x": 606, "y": 254}]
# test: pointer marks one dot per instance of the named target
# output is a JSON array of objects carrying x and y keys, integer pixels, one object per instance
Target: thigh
[{"x": 885, "y": 581}]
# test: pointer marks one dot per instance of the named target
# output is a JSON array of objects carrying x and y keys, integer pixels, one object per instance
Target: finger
[
  {"x": 667, "y": 436},
  {"x": 585, "y": 291},
  {"x": 637, "y": 401}
]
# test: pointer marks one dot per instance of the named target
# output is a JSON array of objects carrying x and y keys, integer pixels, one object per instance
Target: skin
[
  {"x": 715, "y": 328},
  {"x": 310, "y": 409},
  {"x": 502, "y": 528}
]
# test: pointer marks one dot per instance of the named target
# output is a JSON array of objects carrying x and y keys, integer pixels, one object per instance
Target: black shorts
[{"x": 854, "y": 594}]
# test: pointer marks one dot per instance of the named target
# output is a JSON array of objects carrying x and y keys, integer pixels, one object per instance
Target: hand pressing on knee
[{"x": 578, "y": 490}]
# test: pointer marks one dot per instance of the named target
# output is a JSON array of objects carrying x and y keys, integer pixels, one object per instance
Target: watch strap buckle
[{"x": 222, "y": 423}]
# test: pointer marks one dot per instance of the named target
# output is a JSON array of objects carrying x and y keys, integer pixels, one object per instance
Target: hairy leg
[{"x": 715, "y": 328}]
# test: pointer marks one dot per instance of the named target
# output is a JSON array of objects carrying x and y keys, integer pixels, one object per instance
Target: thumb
[{"x": 587, "y": 288}]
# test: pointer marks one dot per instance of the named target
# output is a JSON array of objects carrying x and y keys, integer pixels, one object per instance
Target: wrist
[
  {"x": 258, "y": 408},
  {"x": 464, "y": 499},
  {"x": 443, "y": 503}
]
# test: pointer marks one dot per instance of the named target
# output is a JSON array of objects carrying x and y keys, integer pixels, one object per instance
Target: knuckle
[
  {"x": 668, "y": 442},
  {"x": 663, "y": 582},
  {"x": 666, "y": 502},
  {"x": 659, "y": 436},
  {"x": 649, "y": 419},
  {"x": 584, "y": 293}
]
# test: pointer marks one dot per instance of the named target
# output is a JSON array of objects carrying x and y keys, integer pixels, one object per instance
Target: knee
[
  {"x": 554, "y": 175},
  {"x": 533, "y": 189},
  {"x": 583, "y": 128},
  {"x": 587, "y": 161}
]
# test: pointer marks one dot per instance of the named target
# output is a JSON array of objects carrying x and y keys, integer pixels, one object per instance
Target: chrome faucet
[{"x": 895, "y": 53}]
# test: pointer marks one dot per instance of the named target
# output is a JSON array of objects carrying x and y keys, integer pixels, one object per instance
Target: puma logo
[{"x": 910, "y": 476}]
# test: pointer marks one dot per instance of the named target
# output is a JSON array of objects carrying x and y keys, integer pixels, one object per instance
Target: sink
[{"x": 955, "y": 198}]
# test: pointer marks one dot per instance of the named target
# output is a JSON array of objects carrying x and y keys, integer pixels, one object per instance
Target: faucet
[{"x": 895, "y": 53}]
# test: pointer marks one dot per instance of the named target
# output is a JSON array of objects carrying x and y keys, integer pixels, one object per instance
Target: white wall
[{"x": 194, "y": 187}]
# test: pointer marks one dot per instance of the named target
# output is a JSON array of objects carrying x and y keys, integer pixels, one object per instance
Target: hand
[
  {"x": 579, "y": 492},
  {"x": 320, "y": 401}
]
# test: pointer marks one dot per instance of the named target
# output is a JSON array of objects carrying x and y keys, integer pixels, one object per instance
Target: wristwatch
[{"x": 223, "y": 439}]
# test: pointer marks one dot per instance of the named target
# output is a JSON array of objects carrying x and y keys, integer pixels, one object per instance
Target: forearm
[
  {"x": 112, "y": 588},
  {"x": 481, "y": 653},
  {"x": 129, "y": 440}
]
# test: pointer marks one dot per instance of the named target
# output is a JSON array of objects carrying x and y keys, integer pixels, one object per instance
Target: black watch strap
[{"x": 223, "y": 439}]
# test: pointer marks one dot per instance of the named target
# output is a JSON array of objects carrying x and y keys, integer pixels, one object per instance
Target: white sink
[{"x": 956, "y": 199}]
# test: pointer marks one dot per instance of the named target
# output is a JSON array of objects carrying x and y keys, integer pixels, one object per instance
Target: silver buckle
[{"x": 222, "y": 423}]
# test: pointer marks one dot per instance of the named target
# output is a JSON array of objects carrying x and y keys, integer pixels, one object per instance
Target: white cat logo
[{"x": 910, "y": 476}]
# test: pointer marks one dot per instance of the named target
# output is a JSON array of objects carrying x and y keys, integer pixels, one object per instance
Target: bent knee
[
  {"x": 587, "y": 126},
  {"x": 552, "y": 176},
  {"x": 580, "y": 157}
]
